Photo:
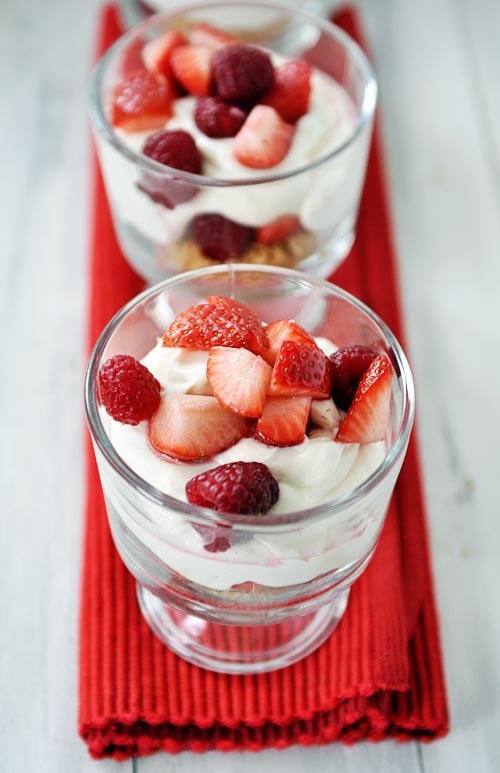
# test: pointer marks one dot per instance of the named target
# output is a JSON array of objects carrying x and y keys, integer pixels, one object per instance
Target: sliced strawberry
[
  {"x": 192, "y": 67},
  {"x": 205, "y": 35},
  {"x": 194, "y": 427},
  {"x": 219, "y": 321},
  {"x": 132, "y": 58},
  {"x": 289, "y": 95},
  {"x": 366, "y": 420},
  {"x": 141, "y": 103},
  {"x": 283, "y": 421},
  {"x": 301, "y": 369},
  {"x": 264, "y": 139},
  {"x": 278, "y": 230},
  {"x": 156, "y": 53},
  {"x": 284, "y": 330},
  {"x": 239, "y": 380}
]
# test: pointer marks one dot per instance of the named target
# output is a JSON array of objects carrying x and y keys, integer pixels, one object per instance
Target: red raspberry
[
  {"x": 216, "y": 118},
  {"x": 347, "y": 367},
  {"x": 128, "y": 390},
  {"x": 246, "y": 488},
  {"x": 242, "y": 74},
  {"x": 176, "y": 149},
  {"x": 220, "y": 238}
]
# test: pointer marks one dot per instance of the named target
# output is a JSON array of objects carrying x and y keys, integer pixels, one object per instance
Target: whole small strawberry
[{"x": 128, "y": 390}]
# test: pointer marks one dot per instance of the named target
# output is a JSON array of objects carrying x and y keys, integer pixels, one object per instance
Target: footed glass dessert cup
[
  {"x": 279, "y": 181},
  {"x": 245, "y": 593}
]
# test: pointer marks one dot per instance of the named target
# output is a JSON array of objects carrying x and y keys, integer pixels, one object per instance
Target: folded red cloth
[{"x": 379, "y": 675}]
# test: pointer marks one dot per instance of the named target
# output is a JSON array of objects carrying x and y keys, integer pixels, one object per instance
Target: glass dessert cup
[
  {"x": 322, "y": 192},
  {"x": 282, "y": 586}
]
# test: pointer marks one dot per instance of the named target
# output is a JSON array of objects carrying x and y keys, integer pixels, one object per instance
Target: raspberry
[
  {"x": 347, "y": 367},
  {"x": 242, "y": 74},
  {"x": 216, "y": 118},
  {"x": 246, "y": 488},
  {"x": 220, "y": 238},
  {"x": 176, "y": 149},
  {"x": 128, "y": 390}
]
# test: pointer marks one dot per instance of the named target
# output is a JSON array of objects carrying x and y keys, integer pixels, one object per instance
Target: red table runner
[{"x": 379, "y": 675}]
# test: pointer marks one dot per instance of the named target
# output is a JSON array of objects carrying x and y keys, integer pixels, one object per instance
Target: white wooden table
[{"x": 438, "y": 63}]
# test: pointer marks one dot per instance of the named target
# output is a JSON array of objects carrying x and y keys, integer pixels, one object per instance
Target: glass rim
[
  {"x": 104, "y": 128},
  {"x": 245, "y": 522}
]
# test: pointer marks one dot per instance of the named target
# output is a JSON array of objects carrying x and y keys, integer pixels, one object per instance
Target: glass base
[{"x": 238, "y": 649}]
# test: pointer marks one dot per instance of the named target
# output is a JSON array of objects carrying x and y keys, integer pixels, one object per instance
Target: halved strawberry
[
  {"x": 283, "y": 421},
  {"x": 284, "y": 330},
  {"x": 194, "y": 427},
  {"x": 205, "y": 35},
  {"x": 264, "y": 139},
  {"x": 132, "y": 58},
  {"x": 278, "y": 230},
  {"x": 156, "y": 53},
  {"x": 192, "y": 67},
  {"x": 301, "y": 369},
  {"x": 239, "y": 380},
  {"x": 366, "y": 420},
  {"x": 141, "y": 103},
  {"x": 218, "y": 321},
  {"x": 289, "y": 95}
]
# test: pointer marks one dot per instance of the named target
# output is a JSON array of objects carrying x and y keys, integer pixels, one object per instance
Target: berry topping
[
  {"x": 246, "y": 488},
  {"x": 242, "y": 74},
  {"x": 367, "y": 417},
  {"x": 284, "y": 330},
  {"x": 206, "y": 35},
  {"x": 301, "y": 369},
  {"x": 156, "y": 53},
  {"x": 218, "y": 322},
  {"x": 141, "y": 103},
  {"x": 194, "y": 427},
  {"x": 128, "y": 390},
  {"x": 176, "y": 149},
  {"x": 283, "y": 421},
  {"x": 278, "y": 230},
  {"x": 264, "y": 139},
  {"x": 220, "y": 238},
  {"x": 289, "y": 95},
  {"x": 132, "y": 60},
  {"x": 239, "y": 380},
  {"x": 348, "y": 365},
  {"x": 192, "y": 67},
  {"x": 217, "y": 119}
]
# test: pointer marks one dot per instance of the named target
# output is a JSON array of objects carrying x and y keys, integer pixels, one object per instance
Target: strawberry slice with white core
[
  {"x": 368, "y": 415},
  {"x": 239, "y": 380},
  {"x": 206, "y": 35},
  {"x": 284, "y": 330},
  {"x": 192, "y": 67},
  {"x": 192, "y": 428},
  {"x": 264, "y": 139},
  {"x": 283, "y": 421},
  {"x": 156, "y": 53}
]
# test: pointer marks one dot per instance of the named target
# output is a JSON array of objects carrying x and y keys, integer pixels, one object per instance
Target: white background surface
[{"x": 438, "y": 65}]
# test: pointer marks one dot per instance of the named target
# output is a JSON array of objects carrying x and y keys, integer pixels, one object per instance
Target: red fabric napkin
[{"x": 379, "y": 675}]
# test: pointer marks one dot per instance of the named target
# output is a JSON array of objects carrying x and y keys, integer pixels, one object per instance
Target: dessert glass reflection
[
  {"x": 295, "y": 207},
  {"x": 246, "y": 593}
]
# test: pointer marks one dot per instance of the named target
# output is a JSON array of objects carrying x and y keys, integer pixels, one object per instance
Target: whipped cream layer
[{"x": 314, "y": 472}]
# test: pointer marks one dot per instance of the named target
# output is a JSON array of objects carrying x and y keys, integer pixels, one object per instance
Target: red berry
[
  {"x": 290, "y": 92},
  {"x": 157, "y": 52},
  {"x": 368, "y": 415},
  {"x": 175, "y": 149},
  {"x": 284, "y": 330},
  {"x": 301, "y": 369},
  {"x": 246, "y": 488},
  {"x": 132, "y": 61},
  {"x": 283, "y": 421},
  {"x": 128, "y": 390},
  {"x": 141, "y": 103},
  {"x": 239, "y": 380},
  {"x": 217, "y": 119},
  {"x": 242, "y": 74},
  {"x": 220, "y": 238},
  {"x": 278, "y": 230},
  {"x": 192, "y": 67},
  {"x": 347, "y": 366},
  {"x": 264, "y": 139}
]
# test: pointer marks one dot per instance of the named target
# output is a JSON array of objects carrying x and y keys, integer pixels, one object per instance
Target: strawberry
[
  {"x": 141, "y": 103},
  {"x": 205, "y": 35},
  {"x": 278, "y": 230},
  {"x": 132, "y": 58},
  {"x": 219, "y": 321},
  {"x": 284, "y": 330},
  {"x": 194, "y": 427},
  {"x": 289, "y": 95},
  {"x": 348, "y": 365},
  {"x": 301, "y": 369},
  {"x": 192, "y": 67},
  {"x": 283, "y": 421},
  {"x": 264, "y": 139},
  {"x": 156, "y": 53},
  {"x": 239, "y": 380},
  {"x": 366, "y": 420}
]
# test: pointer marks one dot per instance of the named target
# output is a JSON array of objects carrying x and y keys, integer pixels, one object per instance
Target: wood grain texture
[{"x": 439, "y": 67}]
